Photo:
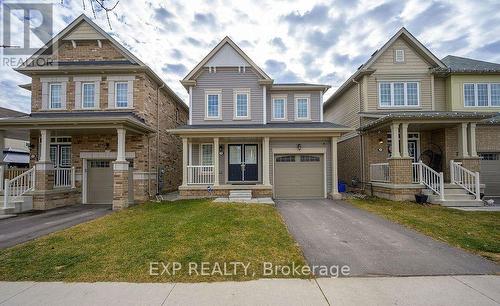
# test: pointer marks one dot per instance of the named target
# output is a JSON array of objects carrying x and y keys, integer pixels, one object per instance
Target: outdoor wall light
[
  {"x": 221, "y": 150},
  {"x": 299, "y": 147},
  {"x": 380, "y": 141}
]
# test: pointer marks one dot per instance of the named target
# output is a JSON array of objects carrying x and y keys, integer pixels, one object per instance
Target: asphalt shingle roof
[
  {"x": 462, "y": 64},
  {"x": 292, "y": 125}
]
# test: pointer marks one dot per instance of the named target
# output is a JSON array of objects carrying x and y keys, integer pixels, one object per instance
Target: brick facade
[
  {"x": 400, "y": 170},
  {"x": 349, "y": 163}
]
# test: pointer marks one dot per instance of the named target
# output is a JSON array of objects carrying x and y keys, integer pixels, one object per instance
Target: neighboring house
[
  {"x": 251, "y": 137},
  {"x": 17, "y": 140},
  {"x": 407, "y": 105},
  {"x": 99, "y": 110}
]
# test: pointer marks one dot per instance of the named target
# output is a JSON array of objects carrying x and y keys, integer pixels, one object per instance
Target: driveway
[
  {"x": 33, "y": 225},
  {"x": 336, "y": 233}
]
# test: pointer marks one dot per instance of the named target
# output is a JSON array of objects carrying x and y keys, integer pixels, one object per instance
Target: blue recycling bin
[{"x": 342, "y": 187}]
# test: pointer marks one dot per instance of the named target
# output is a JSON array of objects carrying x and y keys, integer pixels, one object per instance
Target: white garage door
[
  {"x": 490, "y": 173},
  {"x": 298, "y": 176}
]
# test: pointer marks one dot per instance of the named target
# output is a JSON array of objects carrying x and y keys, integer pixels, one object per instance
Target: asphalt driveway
[
  {"x": 26, "y": 227},
  {"x": 336, "y": 233}
]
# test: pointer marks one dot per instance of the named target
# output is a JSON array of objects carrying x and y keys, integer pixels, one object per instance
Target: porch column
[
  {"x": 265, "y": 161},
  {"x": 335, "y": 187},
  {"x": 395, "y": 140},
  {"x": 184, "y": 161},
  {"x": 472, "y": 140},
  {"x": 120, "y": 173},
  {"x": 44, "y": 167},
  {"x": 216, "y": 161},
  {"x": 404, "y": 139},
  {"x": 462, "y": 140},
  {"x": 2, "y": 147}
]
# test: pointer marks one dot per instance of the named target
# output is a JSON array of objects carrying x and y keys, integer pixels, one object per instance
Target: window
[
  {"x": 398, "y": 94},
  {"x": 206, "y": 154},
  {"x": 213, "y": 100},
  {"x": 121, "y": 94},
  {"x": 242, "y": 104},
  {"x": 399, "y": 56},
  {"x": 65, "y": 156},
  {"x": 489, "y": 156},
  {"x": 309, "y": 158},
  {"x": 279, "y": 108},
  {"x": 88, "y": 95},
  {"x": 99, "y": 164},
  {"x": 482, "y": 94},
  {"x": 285, "y": 159},
  {"x": 302, "y": 111},
  {"x": 55, "y": 93}
]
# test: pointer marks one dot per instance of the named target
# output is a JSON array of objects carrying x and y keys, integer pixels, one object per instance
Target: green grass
[
  {"x": 120, "y": 246},
  {"x": 478, "y": 232}
]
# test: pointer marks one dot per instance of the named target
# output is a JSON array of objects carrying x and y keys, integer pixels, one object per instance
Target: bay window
[{"x": 399, "y": 94}]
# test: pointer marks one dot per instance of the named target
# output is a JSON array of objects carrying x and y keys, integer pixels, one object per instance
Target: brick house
[
  {"x": 248, "y": 136},
  {"x": 98, "y": 125},
  {"x": 408, "y": 106}
]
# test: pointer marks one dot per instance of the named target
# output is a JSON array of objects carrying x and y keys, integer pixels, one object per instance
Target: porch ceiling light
[
  {"x": 380, "y": 141},
  {"x": 299, "y": 147},
  {"x": 221, "y": 150}
]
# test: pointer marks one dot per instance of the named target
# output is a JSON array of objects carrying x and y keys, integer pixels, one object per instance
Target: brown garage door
[
  {"x": 298, "y": 176},
  {"x": 490, "y": 169},
  {"x": 100, "y": 182}
]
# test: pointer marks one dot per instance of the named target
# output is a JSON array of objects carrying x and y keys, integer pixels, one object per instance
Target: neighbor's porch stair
[
  {"x": 454, "y": 195},
  {"x": 239, "y": 195}
]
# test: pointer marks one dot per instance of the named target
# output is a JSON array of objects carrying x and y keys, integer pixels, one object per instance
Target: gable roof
[
  {"x": 209, "y": 56},
  {"x": 463, "y": 64},
  {"x": 366, "y": 67}
]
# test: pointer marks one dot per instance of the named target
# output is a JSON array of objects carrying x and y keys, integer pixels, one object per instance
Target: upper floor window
[
  {"x": 279, "y": 108},
  {"x": 213, "y": 101},
  {"x": 121, "y": 94},
  {"x": 55, "y": 95},
  {"x": 88, "y": 95},
  {"x": 399, "y": 56},
  {"x": 242, "y": 104},
  {"x": 302, "y": 108},
  {"x": 482, "y": 94},
  {"x": 398, "y": 94}
]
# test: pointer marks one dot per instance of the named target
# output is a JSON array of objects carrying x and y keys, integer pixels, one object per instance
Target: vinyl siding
[
  {"x": 345, "y": 109},
  {"x": 290, "y": 107},
  {"x": 227, "y": 79},
  {"x": 456, "y": 88},
  {"x": 439, "y": 94}
]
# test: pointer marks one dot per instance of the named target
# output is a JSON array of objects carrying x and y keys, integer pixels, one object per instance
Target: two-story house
[
  {"x": 406, "y": 106},
  {"x": 97, "y": 125},
  {"x": 250, "y": 135}
]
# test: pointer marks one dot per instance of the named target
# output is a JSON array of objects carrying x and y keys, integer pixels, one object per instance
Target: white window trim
[
  {"x": 476, "y": 98},
  {"x": 116, "y": 94},
  {"x": 396, "y": 56},
  {"x": 405, "y": 82},
  {"x": 296, "y": 98},
  {"x": 60, "y": 95},
  {"x": 217, "y": 92},
  {"x": 82, "y": 95},
  {"x": 235, "y": 113},
  {"x": 201, "y": 153},
  {"x": 274, "y": 97}
]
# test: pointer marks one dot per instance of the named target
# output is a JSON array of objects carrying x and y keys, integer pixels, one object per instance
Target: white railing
[
  {"x": 10, "y": 173},
  {"x": 203, "y": 175},
  {"x": 379, "y": 172},
  {"x": 18, "y": 186},
  {"x": 429, "y": 177},
  {"x": 64, "y": 177},
  {"x": 465, "y": 178},
  {"x": 415, "y": 172}
]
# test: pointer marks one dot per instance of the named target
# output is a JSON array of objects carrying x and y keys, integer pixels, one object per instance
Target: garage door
[
  {"x": 490, "y": 169},
  {"x": 100, "y": 182},
  {"x": 299, "y": 176}
]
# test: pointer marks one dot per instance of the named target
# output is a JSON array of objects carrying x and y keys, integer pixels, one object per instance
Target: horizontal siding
[
  {"x": 315, "y": 104},
  {"x": 227, "y": 79},
  {"x": 414, "y": 63},
  {"x": 439, "y": 94},
  {"x": 345, "y": 109}
]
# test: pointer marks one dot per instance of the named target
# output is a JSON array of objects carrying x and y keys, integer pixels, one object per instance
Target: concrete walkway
[{"x": 433, "y": 290}]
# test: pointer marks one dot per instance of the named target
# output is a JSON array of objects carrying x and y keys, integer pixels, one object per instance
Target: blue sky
[{"x": 293, "y": 41}]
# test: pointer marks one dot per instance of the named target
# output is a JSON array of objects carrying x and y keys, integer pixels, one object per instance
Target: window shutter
[
  {"x": 97, "y": 94},
  {"x": 78, "y": 95},
  {"x": 130, "y": 93},
  {"x": 111, "y": 94},
  {"x": 45, "y": 95},
  {"x": 63, "y": 94}
]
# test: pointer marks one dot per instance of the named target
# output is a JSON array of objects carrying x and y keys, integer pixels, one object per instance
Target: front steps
[
  {"x": 240, "y": 195},
  {"x": 454, "y": 196},
  {"x": 24, "y": 203}
]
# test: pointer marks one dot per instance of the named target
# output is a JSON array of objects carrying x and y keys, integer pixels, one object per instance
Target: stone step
[
  {"x": 454, "y": 197},
  {"x": 458, "y": 203},
  {"x": 240, "y": 194}
]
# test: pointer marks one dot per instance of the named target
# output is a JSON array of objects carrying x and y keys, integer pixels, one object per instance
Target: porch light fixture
[
  {"x": 221, "y": 150},
  {"x": 299, "y": 147},
  {"x": 380, "y": 141}
]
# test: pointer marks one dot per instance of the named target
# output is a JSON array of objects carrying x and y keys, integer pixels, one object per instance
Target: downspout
[{"x": 158, "y": 138}]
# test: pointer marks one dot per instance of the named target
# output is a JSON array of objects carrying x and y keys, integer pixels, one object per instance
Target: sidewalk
[{"x": 435, "y": 290}]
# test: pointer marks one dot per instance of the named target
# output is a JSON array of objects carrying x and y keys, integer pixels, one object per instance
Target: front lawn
[
  {"x": 478, "y": 232},
  {"x": 129, "y": 244}
]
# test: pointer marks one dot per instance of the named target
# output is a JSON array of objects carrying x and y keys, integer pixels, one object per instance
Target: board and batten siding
[
  {"x": 290, "y": 104},
  {"x": 227, "y": 79}
]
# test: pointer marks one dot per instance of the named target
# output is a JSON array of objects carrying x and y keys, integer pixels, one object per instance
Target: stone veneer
[
  {"x": 120, "y": 185},
  {"x": 49, "y": 199},
  {"x": 203, "y": 193}
]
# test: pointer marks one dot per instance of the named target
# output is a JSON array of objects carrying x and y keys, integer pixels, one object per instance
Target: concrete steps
[
  {"x": 454, "y": 196},
  {"x": 240, "y": 195},
  {"x": 22, "y": 204}
]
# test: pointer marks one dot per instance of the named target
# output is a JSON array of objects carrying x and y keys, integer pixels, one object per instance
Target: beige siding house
[{"x": 420, "y": 123}]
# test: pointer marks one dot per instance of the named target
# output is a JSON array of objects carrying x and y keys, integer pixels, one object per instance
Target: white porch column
[
  {"x": 462, "y": 140},
  {"x": 216, "y": 161},
  {"x": 335, "y": 189},
  {"x": 2, "y": 146},
  {"x": 184, "y": 161},
  {"x": 190, "y": 105},
  {"x": 404, "y": 139},
  {"x": 395, "y": 140},
  {"x": 265, "y": 161},
  {"x": 44, "y": 146},
  {"x": 472, "y": 140},
  {"x": 264, "y": 104},
  {"x": 120, "y": 151}
]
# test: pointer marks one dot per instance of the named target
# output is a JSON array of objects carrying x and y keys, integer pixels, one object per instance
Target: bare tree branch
[{"x": 99, "y": 3}]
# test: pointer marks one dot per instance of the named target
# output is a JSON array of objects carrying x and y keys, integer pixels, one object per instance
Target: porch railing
[
  {"x": 465, "y": 178},
  {"x": 430, "y": 178},
  {"x": 18, "y": 186},
  {"x": 10, "y": 173},
  {"x": 379, "y": 172},
  {"x": 202, "y": 175},
  {"x": 64, "y": 177},
  {"x": 415, "y": 172}
]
